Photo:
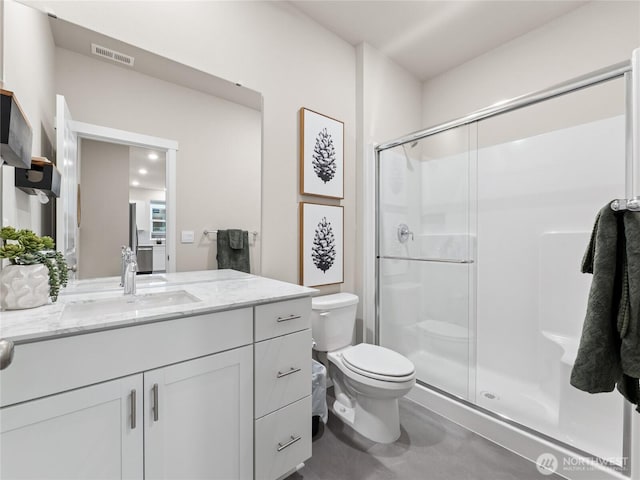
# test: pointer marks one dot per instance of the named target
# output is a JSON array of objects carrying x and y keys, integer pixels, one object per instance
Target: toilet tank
[{"x": 333, "y": 318}]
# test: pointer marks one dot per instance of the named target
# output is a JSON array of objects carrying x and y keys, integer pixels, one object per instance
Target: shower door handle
[{"x": 404, "y": 233}]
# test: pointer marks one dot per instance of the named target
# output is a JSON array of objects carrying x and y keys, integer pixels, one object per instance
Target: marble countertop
[{"x": 92, "y": 305}]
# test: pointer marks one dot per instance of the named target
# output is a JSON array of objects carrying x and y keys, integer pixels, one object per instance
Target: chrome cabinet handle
[
  {"x": 288, "y": 444},
  {"x": 285, "y": 319},
  {"x": 288, "y": 372},
  {"x": 133, "y": 409},
  {"x": 156, "y": 409},
  {"x": 6, "y": 353}
]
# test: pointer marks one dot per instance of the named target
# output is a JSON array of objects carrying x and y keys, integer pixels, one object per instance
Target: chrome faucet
[
  {"x": 123, "y": 263},
  {"x": 129, "y": 270}
]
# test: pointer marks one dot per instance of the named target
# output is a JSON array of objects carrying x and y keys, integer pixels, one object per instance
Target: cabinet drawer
[
  {"x": 283, "y": 371},
  {"x": 283, "y": 440},
  {"x": 61, "y": 364},
  {"x": 275, "y": 319}
]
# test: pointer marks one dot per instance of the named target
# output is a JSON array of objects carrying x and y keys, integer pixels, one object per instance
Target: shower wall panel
[{"x": 538, "y": 194}]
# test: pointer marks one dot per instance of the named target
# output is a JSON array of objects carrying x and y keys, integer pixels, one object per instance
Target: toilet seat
[{"x": 378, "y": 363}]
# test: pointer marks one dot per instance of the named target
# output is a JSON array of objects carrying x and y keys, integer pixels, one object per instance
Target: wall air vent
[{"x": 105, "y": 52}]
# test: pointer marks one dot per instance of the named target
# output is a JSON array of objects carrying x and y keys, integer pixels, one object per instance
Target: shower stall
[{"x": 481, "y": 225}]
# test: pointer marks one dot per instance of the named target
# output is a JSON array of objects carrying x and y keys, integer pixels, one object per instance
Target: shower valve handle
[{"x": 404, "y": 233}]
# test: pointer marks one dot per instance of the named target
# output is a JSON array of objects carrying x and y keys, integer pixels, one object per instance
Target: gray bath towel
[
  {"x": 233, "y": 250},
  {"x": 609, "y": 352}
]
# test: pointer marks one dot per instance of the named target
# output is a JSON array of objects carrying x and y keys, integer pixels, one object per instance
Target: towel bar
[
  {"x": 207, "y": 232},
  {"x": 633, "y": 205}
]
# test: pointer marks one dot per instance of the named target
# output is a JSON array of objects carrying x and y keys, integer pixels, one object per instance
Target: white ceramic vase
[{"x": 24, "y": 286}]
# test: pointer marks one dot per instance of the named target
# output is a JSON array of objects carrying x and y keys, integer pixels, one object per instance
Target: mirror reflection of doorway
[
  {"x": 122, "y": 187},
  {"x": 123, "y": 203},
  {"x": 147, "y": 209}
]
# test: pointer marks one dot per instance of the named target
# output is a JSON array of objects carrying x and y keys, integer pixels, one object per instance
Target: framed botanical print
[
  {"x": 321, "y": 244},
  {"x": 321, "y": 155}
]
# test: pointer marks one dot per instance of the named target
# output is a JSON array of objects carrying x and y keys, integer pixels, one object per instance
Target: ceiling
[
  {"x": 154, "y": 179},
  {"x": 79, "y": 39},
  {"x": 427, "y": 37}
]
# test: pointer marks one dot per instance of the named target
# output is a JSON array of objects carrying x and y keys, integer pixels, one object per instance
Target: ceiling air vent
[{"x": 105, "y": 52}]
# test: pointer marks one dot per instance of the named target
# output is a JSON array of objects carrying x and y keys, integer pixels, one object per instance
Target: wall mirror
[{"x": 217, "y": 125}]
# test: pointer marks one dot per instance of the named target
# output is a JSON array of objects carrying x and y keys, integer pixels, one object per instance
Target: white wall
[
  {"x": 390, "y": 97},
  {"x": 146, "y": 195},
  {"x": 591, "y": 37},
  {"x": 388, "y": 106},
  {"x": 2, "y": 34},
  {"x": 269, "y": 47},
  {"x": 218, "y": 162},
  {"x": 28, "y": 72}
]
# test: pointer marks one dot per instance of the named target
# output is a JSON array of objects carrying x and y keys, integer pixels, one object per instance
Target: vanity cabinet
[
  {"x": 195, "y": 415},
  {"x": 223, "y": 395}
]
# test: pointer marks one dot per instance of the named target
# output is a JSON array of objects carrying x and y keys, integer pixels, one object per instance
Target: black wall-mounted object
[
  {"x": 15, "y": 132},
  {"x": 43, "y": 175}
]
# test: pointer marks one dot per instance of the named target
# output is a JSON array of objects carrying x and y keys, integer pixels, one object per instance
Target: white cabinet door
[
  {"x": 198, "y": 418},
  {"x": 159, "y": 258},
  {"x": 142, "y": 216},
  {"x": 82, "y": 434}
]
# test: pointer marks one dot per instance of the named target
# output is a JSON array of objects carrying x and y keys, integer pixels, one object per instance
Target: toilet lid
[{"x": 377, "y": 360}]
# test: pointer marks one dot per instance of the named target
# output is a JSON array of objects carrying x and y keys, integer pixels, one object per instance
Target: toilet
[{"x": 368, "y": 379}]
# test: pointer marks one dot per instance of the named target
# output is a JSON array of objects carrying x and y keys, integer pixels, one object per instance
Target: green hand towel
[
  {"x": 236, "y": 239},
  {"x": 609, "y": 352},
  {"x": 234, "y": 258}
]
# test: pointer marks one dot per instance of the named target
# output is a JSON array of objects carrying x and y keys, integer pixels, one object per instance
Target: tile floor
[{"x": 429, "y": 448}]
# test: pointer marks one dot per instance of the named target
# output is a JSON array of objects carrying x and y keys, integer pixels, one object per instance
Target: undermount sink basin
[
  {"x": 112, "y": 283},
  {"x": 128, "y": 303}
]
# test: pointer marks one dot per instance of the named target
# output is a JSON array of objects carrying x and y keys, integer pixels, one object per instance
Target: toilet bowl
[{"x": 368, "y": 379}]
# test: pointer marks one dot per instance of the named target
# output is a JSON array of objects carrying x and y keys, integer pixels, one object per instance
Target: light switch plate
[{"x": 187, "y": 236}]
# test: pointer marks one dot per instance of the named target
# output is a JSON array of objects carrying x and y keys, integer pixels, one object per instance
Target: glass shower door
[{"x": 425, "y": 257}]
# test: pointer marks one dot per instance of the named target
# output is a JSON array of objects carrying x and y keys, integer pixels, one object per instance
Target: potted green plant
[{"x": 36, "y": 273}]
